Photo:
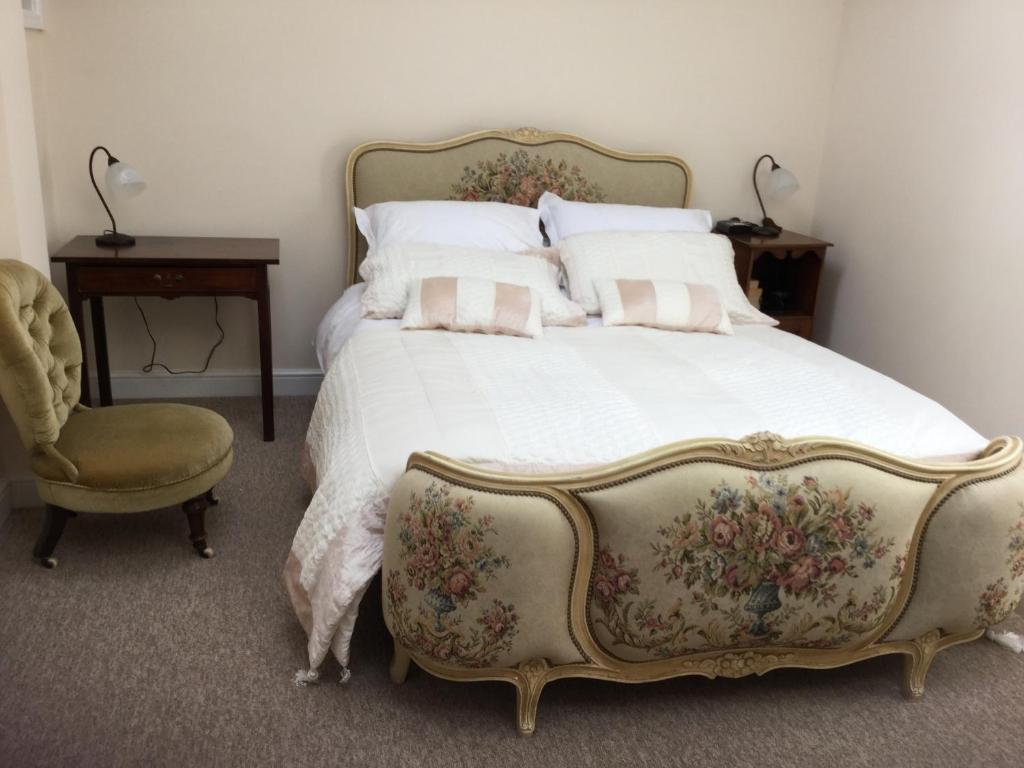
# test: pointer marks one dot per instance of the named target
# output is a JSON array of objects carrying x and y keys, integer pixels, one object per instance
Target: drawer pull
[
  {"x": 179, "y": 278},
  {"x": 158, "y": 277}
]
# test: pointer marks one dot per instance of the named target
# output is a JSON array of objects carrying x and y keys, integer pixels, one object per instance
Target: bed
[{"x": 505, "y": 423}]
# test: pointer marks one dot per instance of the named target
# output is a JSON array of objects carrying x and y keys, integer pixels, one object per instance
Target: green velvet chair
[{"x": 119, "y": 459}]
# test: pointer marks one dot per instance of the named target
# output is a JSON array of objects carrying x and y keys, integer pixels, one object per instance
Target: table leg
[
  {"x": 266, "y": 357},
  {"x": 99, "y": 339},
  {"x": 75, "y": 308}
]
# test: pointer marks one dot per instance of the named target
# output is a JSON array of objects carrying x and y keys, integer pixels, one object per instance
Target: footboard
[{"x": 705, "y": 557}]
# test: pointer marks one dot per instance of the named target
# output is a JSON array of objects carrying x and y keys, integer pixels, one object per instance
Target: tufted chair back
[{"x": 40, "y": 356}]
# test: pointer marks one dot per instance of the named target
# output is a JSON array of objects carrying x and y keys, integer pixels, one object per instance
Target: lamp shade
[
  {"x": 782, "y": 183},
  {"x": 123, "y": 180}
]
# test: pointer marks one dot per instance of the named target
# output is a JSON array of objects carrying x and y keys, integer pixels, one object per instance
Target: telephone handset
[{"x": 736, "y": 226}]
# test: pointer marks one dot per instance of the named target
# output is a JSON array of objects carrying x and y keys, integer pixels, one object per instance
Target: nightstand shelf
[{"x": 788, "y": 269}]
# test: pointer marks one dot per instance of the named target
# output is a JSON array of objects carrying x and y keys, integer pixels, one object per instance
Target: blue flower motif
[
  {"x": 726, "y": 500},
  {"x": 815, "y": 543}
]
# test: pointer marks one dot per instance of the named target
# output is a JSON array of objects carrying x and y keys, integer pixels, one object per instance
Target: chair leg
[
  {"x": 195, "y": 511},
  {"x": 53, "y": 527}
]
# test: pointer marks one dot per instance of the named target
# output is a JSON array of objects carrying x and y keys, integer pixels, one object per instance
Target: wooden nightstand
[
  {"x": 788, "y": 268},
  {"x": 170, "y": 267}
]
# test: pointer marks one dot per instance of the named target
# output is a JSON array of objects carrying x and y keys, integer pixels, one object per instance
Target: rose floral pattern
[
  {"x": 762, "y": 564},
  {"x": 445, "y": 556},
  {"x": 1000, "y": 598},
  {"x": 520, "y": 180}
]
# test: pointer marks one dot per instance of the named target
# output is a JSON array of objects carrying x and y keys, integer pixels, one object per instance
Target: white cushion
[
  {"x": 663, "y": 304},
  {"x": 390, "y": 272},
  {"x": 475, "y": 306},
  {"x": 497, "y": 226},
  {"x": 684, "y": 257},
  {"x": 565, "y": 218}
]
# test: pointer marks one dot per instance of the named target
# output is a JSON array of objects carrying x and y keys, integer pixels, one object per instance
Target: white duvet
[{"x": 577, "y": 397}]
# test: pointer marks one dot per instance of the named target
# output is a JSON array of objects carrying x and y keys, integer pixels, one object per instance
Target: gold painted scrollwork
[{"x": 766, "y": 448}]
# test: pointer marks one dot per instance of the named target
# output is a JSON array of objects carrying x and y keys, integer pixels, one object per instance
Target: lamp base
[
  {"x": 115, "y": 240},
  {"x": 768, "y": 228}
]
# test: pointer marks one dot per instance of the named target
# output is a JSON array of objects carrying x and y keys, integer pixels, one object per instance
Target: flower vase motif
[
  {"x": 763, "y": 600},
  {"x": 448, "y": 561},
  {"x": 785, "y": 546},
  {"x": 442, "y": 605}
]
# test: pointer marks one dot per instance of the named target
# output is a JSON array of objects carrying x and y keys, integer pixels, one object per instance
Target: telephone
[{"x": 736, "y": 226}]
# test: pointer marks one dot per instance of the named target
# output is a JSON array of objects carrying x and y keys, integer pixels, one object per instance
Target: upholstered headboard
[{"x": 507, "y": 166}]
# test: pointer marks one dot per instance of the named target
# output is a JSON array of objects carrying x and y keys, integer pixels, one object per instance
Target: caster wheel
[
  {"x": 206, "y": 553},
  {"x": 48, "y": 562}
]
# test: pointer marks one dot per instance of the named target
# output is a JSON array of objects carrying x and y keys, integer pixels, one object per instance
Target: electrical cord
[{"x": 152, "y": 357}]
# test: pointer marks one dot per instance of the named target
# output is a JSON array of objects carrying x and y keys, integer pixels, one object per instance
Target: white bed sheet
[{"x": 578, "y": 397}]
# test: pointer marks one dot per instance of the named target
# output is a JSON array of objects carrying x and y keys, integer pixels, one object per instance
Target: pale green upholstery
[
  {"x": 706, "y": 557},
  {"x": 128, "y": 458},
  {"x": 40, "y": 356},
  {"x": 131, "y": 458}
]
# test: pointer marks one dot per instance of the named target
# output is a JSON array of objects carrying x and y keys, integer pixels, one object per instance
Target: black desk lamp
[
  {"x": 124, "y": 181},
  {"x": 781, "y": 183}
]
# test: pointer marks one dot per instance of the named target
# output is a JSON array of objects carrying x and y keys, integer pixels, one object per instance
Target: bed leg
[
  {"x": 532, "y": 677},
  {"x": 399, "y": 668},
  {"x": 917, "y": 662}
]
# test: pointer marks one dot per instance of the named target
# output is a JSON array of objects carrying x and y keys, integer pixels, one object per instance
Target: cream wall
[
  {"x": 240, "y": 113},
  {"x": 22, "y": 229},
  {"x": 922, "y": 190}
]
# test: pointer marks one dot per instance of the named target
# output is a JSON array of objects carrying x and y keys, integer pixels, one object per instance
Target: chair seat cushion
[{"x": 139, "y": 447}]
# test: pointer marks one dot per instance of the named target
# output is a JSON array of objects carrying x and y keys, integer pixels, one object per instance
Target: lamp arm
[
  {"x": 764, "y": 214},
  {"x": 110, "y": 159}
]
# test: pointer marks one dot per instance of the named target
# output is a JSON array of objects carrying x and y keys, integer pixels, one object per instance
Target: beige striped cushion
[
  {"x": 473, "y": 304},
  {"x": 662, "y": 304}
]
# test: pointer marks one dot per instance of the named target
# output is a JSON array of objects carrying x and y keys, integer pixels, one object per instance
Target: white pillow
[
  {"x": 498, "y": 226},
  {"x": 683, "y": 257},
  {"x": 565, "y": 218},
  {"x": 390, "y": 273}
]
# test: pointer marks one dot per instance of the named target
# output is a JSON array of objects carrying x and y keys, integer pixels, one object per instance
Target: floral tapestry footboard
[{"x": 707, "y": 557}]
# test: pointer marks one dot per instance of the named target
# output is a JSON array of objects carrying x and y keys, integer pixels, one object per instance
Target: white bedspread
[{"x": 577, "y": 397}]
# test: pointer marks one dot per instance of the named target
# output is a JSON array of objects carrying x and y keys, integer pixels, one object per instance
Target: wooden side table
[
  {"x": 788, "y": 268},
  {"x": 170, "y": 267}
]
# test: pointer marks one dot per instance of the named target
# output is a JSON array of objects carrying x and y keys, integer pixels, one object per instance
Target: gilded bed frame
[
  {"x": 954, "y": 519},
  {"x": 379, "y": 171},
  {"x": 924, "y": 614}
]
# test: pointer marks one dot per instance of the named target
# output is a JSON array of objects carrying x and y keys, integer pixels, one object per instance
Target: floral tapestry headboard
[{"x": 507, "y": 166}]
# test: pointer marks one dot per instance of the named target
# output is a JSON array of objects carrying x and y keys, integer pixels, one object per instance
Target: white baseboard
[
  {"x": 133, "y": 385},
  {"x": 23, "y": 492}
]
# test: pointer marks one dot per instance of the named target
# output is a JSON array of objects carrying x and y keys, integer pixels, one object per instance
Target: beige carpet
[{"x": 136, "y": 652}]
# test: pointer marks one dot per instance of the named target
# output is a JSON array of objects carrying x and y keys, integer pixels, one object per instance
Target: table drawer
[{"x": 166, "y": 280}]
